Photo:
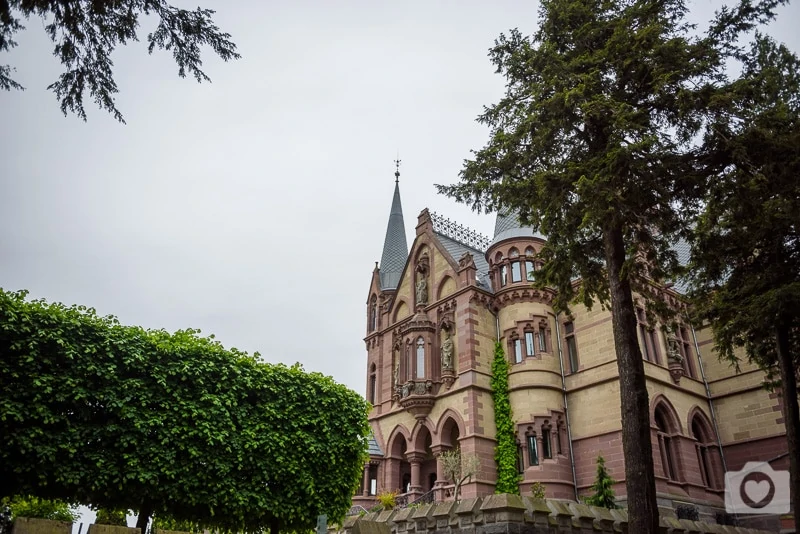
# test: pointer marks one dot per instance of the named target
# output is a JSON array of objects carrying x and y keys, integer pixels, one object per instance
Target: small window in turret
[
  {"x": 516, "y": 275},
  {"x": 529, "y": 268},
  {"x": 503, "y": 275}
]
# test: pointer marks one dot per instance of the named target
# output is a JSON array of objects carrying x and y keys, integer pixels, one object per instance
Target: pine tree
[
  {"x": 602, "y": 487},
  {"x": 746, "y": 245},
  {"x": 592, "y": 145}
]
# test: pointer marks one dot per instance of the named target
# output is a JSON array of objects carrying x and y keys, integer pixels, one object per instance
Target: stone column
[
  {"x": 441, "y": 482},
  {"x": 366, "y": 479},
  {"x": 415, "y": 459}
]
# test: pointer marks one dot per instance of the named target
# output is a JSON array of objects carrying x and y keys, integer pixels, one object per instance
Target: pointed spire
[{"x": 395, "y": 248}]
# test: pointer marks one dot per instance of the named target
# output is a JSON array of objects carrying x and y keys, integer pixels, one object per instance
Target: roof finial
[{"x": 397, "y": 168}]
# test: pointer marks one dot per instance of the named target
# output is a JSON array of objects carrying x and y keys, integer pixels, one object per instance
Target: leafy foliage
[
  {"x": 86, "y": 33},
  {"x": 537, "y": 490},
  {"x": 106, "y": 516},
  {"x": 746, "y": 243},
  {"x": 505, "y": 452},
  {"x": 458, "y": 468},
  {"x": 603, "y": 488},
  {"x": 41, "y": 509},
  {"x": 592, "y": 145},
  {"x": 388, "y": 499},
  {"x": 171, "y": 424},
  {"x": 165, "y": 522}
]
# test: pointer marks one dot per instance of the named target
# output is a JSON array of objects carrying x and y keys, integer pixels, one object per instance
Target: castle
[{"x": 433, "y": 316}]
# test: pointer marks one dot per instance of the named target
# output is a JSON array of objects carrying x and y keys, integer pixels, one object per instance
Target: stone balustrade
[{"x": 512, "y": 514}]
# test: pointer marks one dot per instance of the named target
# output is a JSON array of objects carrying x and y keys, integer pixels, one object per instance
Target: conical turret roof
[
  {"x": 507, "y": 225},
  {"x": 395, "y": 248}
]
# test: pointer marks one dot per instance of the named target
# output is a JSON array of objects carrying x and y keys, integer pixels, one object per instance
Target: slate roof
[
  {"x": 395, "y": 248},
  {"x": 507, "y": 225},
  {"x": 456, "y": 250},
  {"x": 374, "y": 449}
]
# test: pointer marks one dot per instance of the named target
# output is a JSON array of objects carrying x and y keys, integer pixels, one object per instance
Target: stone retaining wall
[{"x": 512, "y": 514}]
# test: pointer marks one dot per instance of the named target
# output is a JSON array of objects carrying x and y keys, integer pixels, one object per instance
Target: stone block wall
[{"x": 512, "y": 514}]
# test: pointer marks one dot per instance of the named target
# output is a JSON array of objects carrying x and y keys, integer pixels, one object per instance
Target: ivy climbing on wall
[{"x": 505, "y": 452}]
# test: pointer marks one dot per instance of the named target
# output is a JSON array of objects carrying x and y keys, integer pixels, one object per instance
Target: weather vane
[{"x": 397, "y": 168}]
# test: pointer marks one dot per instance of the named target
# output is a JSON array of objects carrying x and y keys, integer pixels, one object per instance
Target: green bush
[
  {"x": 42, "y": 509},
  {"x": 111, "y": 517},
  {"x": 388, "y": 499},
  {"x": 537, "y": 490},
  {"x": 162, "y": 522},
  {"x": 603, "y": 493}
]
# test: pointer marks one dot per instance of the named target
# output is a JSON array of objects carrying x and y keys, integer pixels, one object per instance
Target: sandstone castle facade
[{"x": 433, "y": 315}]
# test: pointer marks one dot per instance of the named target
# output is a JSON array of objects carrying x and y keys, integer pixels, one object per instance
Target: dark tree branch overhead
[{"x": 86, "y": 32}]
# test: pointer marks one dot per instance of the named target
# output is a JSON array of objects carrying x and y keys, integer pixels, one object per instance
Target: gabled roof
[
  {"x": 395, "y": 247},
  {"x": 456, "y": 250}
]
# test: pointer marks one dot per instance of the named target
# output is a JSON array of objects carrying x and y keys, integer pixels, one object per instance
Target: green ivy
[{"x": 505, "y": 453}]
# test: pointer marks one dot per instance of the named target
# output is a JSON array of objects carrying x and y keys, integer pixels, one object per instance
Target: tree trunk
[
  {"x": 274, "y": 526},
  {"x": 144, "y": 517},
  {"x": 640, "y": 480},
  {"x": 791, "y": 413}
]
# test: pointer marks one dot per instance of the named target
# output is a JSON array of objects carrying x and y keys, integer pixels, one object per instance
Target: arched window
[
  {"x": 704, "y": 445},
  {"x": 373, "y": 318},
  {"x": 665, "y": 429},
  {"x": 373, "y": 383},
  {"x": 420, "y": 357},
  {"x": 533, "y": 449}
]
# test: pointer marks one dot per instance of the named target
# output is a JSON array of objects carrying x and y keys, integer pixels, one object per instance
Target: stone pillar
[
  {"x": 366, "y": 479},
  {"x": 415, "y": 459},
  {"x": 441, "y": 482}
]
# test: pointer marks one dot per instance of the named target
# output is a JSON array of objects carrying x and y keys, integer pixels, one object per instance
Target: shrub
[
  {"x": 537, "y": 490},
  {"x": 602, "y": 487},
  {"x": 111, "y": 517},
  {"x": 388, "y": 499},
  {"x": 42, "y": 509}
]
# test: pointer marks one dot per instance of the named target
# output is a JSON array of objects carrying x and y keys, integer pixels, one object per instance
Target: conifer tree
[
  {"x": 746, "y": 243},
  {"x": 603, "y": 487},
  {"x": 591, "y": 144}
]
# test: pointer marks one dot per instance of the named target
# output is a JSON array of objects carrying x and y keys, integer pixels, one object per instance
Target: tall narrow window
[
  {"x": 420, "y": 357},
  {"x": 685, "y": 347},
  {"x": 558, "y": 438},
  {"x": 542, "y": 339},
  {"x": 533, "y": 450},
  {"x": 373, "y": 318},
  {"x": 653, "y": 340},
  {"x": 409, "y": 362},
  {"x": 503, "y": 275},
  {"x": 666, "y": 445},
  {"x": 529, "y": 271},
  {"x": 572, "y": 348},
  {"x": 516, "y": 274},
  {"x": 547, "y": 451},
  {"x": 529, "y": 344},
  {"x": 373, "y": 383},
  {"x": 704, "y": 445},
  {"x": 517, "y": 351},
  {"x": 644, "y": 342}
]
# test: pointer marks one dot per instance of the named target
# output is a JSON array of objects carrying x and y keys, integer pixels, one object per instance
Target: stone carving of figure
[
  {"x": 447, "y": 352},
  {"x": 422, "y": 290},
  {"x": 672, "y": 346},
  {"x": 396, "y": 371}
]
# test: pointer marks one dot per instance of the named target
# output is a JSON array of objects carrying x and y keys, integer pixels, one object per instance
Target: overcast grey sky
[{"x": 254, "y": 207}]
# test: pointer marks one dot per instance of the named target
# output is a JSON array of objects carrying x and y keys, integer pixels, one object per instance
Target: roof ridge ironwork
[{"x": 459, "y": 233}]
